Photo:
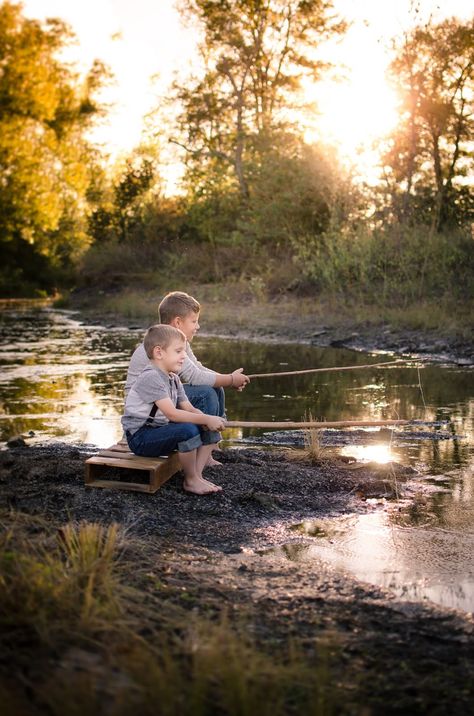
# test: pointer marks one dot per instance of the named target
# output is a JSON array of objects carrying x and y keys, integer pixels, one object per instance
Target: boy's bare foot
[
  {"x": 200, "y": 486},
  {"x": 213, "y": 463}
]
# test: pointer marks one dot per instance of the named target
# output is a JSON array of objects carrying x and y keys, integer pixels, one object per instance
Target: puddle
[{"x": 387, "y": 547}]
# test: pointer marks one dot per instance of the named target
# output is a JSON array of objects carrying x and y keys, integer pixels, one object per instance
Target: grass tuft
[{"x": 75, "y": 638}]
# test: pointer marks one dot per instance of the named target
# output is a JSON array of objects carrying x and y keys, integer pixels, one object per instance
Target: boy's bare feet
[
  {"x": 213, "y": 463},
  {"x": 200, "y": 486}
]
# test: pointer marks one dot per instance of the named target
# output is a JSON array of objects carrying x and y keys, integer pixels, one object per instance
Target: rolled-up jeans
[
  {"x": 150, "y": 441},
  {"x": 208, "y": 399}
]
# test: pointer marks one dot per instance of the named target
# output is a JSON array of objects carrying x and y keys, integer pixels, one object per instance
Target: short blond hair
[
  {"x": 160, "y": 335},
  {"x": 177, "y": 304}
]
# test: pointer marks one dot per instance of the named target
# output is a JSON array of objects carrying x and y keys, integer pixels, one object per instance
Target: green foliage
[
  {"x": 430, "y": 154},
  {"x": 45, "y": 109},
  {"x": 255, "y": 57},
  {"x": 128, "y": 205},
  {"x": 400, "y": 265}
]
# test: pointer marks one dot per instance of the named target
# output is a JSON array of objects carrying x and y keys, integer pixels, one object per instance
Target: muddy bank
[
  {"x": 295, "y": 320},
  {"x": 384, "y": 656},
  {"x": 361, "y": 337}
]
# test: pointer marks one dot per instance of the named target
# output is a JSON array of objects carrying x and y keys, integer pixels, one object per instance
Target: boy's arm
[
  {"x": 186, "y": 405},
  {"x": 195, "y": 373},
  {"x": 177, "y": 415},
  {"x": 236, "y": 379}
]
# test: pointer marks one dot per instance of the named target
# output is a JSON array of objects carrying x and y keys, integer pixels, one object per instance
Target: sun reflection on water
[{"x": 369, "y": 453}]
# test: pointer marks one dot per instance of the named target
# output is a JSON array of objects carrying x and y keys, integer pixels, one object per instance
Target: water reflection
[
  {"x": 370, "y": 453},
  {"x": 432, "y": 563},
  {"x": 64, "y": 379}
]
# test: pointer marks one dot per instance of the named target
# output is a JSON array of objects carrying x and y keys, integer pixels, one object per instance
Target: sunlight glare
[{"x": 369, "y": 453}]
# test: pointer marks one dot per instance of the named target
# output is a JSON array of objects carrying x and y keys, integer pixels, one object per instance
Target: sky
[{"x": 139, "y": 39}]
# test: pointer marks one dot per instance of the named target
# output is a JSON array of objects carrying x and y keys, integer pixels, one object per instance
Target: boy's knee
[
  {"x": 189, "y": 430},
  {"x": 205, "y": 398}
]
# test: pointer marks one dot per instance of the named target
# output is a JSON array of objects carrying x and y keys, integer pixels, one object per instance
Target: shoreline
[{"x": 301, "y": 322}]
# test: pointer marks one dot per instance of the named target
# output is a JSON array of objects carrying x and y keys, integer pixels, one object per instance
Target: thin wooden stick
[
  {"x": 322, "y": 370},
  {"x": 306, "y": 425}
]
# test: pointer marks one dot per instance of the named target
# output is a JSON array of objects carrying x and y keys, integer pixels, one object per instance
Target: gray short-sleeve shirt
[
  {"x": 151, "y": 385},
  {"x": 192, "y": 371}
]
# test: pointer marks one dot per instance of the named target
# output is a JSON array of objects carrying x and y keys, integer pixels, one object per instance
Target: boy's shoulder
[{"x": 152, "y": 374}]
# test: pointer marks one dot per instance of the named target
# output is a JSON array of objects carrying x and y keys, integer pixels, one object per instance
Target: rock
[{"x": 16, "y": 441}]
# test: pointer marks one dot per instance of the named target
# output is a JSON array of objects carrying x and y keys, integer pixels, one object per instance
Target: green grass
[{"x": 404, "y": 276}]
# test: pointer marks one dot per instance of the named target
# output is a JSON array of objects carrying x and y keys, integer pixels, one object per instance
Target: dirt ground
[{"x": 385, "y": 656}]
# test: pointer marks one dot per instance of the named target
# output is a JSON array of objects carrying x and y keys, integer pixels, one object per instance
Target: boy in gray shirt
[
  {"x": 158, "y": 416},
  {"x": 203, "y": 386}
]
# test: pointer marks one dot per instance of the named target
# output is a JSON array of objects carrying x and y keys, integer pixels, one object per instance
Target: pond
[{"x": 62, "y": 379}]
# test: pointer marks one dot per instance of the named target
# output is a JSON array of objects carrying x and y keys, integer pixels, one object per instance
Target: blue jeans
[
  {"x": 210, "y": 400},
  {"x": 150, "y": 441}
]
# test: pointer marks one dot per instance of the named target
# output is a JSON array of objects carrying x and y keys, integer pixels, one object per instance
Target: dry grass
[
  {"x": 76, "y": 638},
  {"x": 57, "y": 586},
  {"x": 313, "y": 451}
]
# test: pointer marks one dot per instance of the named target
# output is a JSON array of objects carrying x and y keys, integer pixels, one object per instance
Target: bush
[{"x": 400, "y": 264}]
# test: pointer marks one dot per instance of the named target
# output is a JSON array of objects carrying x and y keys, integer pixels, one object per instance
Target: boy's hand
[
  {"x": 215, "y": 422},
  {"x": 239, "y": 380}
]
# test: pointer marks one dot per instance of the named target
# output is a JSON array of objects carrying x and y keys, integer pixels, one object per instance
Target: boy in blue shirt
[{"x": 158, "y": 417}]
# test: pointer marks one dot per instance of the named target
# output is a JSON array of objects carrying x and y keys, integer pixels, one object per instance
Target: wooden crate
[{"x": 157, "y": 469}]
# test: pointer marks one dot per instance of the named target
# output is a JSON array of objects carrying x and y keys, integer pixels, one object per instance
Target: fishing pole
[
  {"x": 325, "y": 370},
  {"x": 312, "y": 424}
]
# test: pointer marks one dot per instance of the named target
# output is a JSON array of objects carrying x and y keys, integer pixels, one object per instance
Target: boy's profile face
[
  {"x": 172, "y": 357},
  {"x": 189, "y": 325}
]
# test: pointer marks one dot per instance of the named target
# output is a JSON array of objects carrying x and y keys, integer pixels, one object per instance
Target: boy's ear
[
  {"x": 157, "y": 352},
  {"x": 176, "y": 322}
]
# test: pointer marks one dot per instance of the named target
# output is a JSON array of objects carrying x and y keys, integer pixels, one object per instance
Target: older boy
[
  {"x": 203, "y": 386},
  {"x": 158, "y": 417}
]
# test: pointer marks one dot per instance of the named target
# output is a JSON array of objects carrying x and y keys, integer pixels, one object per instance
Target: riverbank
[
  {"x": 434, "y": 331},
  {"x": 293, "y": 637}
]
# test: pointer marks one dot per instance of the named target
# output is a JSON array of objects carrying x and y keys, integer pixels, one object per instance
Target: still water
[{"x": 63, "y": 380}]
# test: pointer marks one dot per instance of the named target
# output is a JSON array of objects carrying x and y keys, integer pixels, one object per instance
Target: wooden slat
[
  {"x": 166, "y": 470},
  {"x": 129, "y": 456},
  {"x": 159, "y": 470},
  {"x": 119, "y": 447},
  {"x": 117, "y": 485},
  {"x": 139, "y": 463}
]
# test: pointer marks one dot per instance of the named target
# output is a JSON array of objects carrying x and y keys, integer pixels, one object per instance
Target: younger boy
[{"x": 158, "y": 417}]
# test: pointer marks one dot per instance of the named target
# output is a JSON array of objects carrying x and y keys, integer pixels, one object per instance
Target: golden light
[
  {"x": 94, "y": 422},
  {"x": 369, "y": 453},
  {"x": 146, "y": 38},
  {"x": 356, "y": 106},
  {"x": 353, "y": 114}
]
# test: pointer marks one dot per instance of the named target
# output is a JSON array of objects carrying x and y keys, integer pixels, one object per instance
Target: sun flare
[{"x": 369, "y": 453}]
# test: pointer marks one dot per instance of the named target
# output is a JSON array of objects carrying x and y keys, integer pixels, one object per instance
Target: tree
[
  {"x": 121, "y": 202},
  {"x": 45, "y": 159},
  {"x": 255, "y": 54},
  {"x": 430, "y": 154}
]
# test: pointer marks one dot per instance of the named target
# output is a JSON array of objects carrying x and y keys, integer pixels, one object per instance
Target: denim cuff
[
  {"x": 191, "y": 444},
  {"x": 210, "y": 437}
]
